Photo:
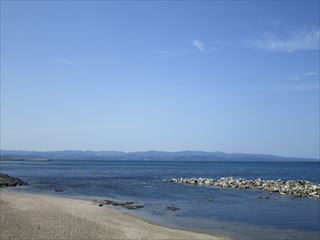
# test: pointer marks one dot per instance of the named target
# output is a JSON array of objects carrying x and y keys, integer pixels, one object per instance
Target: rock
[
  {"x": 313, "y": 193},
  {"x": 59, "y": 190},
  {"x": 173, "y": 208},
  {"x": 9, "y": 181}
]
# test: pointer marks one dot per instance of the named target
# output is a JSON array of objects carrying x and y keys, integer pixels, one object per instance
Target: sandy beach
[{"x": 33, "y": 216}]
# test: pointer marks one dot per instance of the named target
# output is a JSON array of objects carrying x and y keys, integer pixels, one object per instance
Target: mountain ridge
[{"x": 151, "y": 155}]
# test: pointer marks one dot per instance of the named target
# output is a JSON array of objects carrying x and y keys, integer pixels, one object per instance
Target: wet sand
[{"x": 33, "y": 216}]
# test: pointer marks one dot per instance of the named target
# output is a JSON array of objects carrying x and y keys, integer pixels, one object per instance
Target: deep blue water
[{"x": 239, "y": 213}]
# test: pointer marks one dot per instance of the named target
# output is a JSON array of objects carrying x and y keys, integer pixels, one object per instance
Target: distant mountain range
[{"x": 148, "y": 156}]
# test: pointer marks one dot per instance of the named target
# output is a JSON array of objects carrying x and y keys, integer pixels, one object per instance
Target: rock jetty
[
  {"x": 296, "y": 188},
  {"x": 9, "y": 181},
  {"x": 128, "y": 205}
]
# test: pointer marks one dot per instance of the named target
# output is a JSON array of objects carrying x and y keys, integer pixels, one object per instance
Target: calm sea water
[{"x": 235, "y": 212}]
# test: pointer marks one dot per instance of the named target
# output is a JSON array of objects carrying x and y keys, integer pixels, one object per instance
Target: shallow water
[{"x": 239, "y": 213}]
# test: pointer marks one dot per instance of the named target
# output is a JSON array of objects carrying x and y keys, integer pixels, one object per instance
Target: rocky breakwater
[
  {"x": 297, "y": 188},
  {"x": 9, "y": 181}
]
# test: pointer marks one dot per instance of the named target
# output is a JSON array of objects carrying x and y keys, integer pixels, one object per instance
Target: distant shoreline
[
  {"x": 23, "y": 159},
  {"x": 148, "y": 156}
]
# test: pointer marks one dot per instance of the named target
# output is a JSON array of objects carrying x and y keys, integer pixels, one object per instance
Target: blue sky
[{"x": 183, "y": 75}]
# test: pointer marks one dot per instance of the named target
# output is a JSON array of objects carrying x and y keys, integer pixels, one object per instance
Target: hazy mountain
[{"x": 148, "y": 155}]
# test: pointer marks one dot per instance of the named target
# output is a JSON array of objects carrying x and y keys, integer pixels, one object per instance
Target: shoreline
[{"x": 39, "y": 216}]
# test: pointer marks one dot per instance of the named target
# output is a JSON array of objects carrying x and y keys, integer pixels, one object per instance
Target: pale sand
[{"x": 33, "y": 216}]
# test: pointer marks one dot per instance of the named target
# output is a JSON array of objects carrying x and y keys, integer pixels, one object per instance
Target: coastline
[{"x": 37, "y": 216}]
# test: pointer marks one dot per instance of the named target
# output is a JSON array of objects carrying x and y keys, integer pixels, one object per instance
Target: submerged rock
[
  {"x": 296, "y": 188},
  {"x": 59, "y": 190},
  {"x": 9, "y": 181},
  {"x": 173, "y": 208},
  {"x": 128, "y": 205},
  {"x": 133, "y": 206}
]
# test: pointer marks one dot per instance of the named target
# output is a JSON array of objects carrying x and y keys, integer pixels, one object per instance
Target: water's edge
[{"x": 241, "y": 213}]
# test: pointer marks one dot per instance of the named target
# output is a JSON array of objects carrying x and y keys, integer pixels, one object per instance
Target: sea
[{"x": 242, "y": 214}]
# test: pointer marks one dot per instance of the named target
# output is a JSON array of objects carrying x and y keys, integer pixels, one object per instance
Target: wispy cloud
[
  {"x": 175, "y": 88},
  {"x": 304, "y": 76},
  {"x": 221, "y": 44},
  {"x": 169, "y": 53},
  {"x": 295, "y": 78},
  {"x": 302, "y": 87},
  {"x": 282, "y": 88},
  {"x": 64, "y": 61},
  {"x": 294, "y": 41},
  {"x": 312, "y": 73},
  {"x": 199, "y": 45}
]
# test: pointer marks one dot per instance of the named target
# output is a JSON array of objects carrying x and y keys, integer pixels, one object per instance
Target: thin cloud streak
[
  {"x": 297, "y": 87},
  {"x": 304, "y": 76},
  {"x": 65, "y": 61},
  {"x": 169, "y": 53},
  {"x": 312, "y": 74},
  {"x": 296, "y": 41},
  {"x": 295, "y": 78}
]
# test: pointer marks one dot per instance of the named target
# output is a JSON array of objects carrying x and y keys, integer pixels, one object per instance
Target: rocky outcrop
[
  {"x": 297, "y": 188},
  {"x": 9, "y": 181},
  {"x": 128, "y": 205}
]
